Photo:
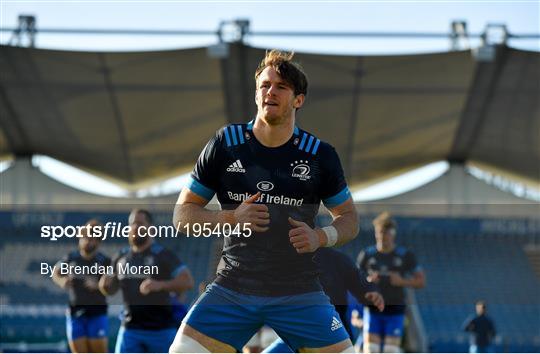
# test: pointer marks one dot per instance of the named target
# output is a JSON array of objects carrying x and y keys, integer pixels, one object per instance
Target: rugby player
[
  {"x": 270, "y": 177},
  {"x": 86, "y": 322},
  {"x": 148, "y": 322},
  {"x": 393, "y": 268}
]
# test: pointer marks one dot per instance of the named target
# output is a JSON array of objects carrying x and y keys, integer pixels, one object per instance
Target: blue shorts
[
  {"x": 382, "y": 324},
  {"x": 302, "y": 321},
  {"x": 131, "y": 340},
  {"x": 93, "y": 327}
]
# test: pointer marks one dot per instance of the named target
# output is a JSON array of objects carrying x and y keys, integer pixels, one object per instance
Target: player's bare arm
[
  {"x": 345, "y": 220},
  {"x": 182, "y": 282},
  {"x": 376, "y": 299},
  {"x": 108, "y": 285},
  {"x": 416, "y": 281},
  {"x": 305, "y": 239},
  {"x": 62, "y": 281},
  {"x": 374, "y": 277}
]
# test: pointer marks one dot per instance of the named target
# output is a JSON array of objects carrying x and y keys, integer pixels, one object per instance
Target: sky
[
  {"x": 368, "y": 16},
  {"x": 520, "y": 17}
]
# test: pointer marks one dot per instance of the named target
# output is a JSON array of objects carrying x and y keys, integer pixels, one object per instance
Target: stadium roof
[
  {"x": 24, "y": 186},
  {"x": 138, "y": 117},
  {"x": 456, "y": 193}
]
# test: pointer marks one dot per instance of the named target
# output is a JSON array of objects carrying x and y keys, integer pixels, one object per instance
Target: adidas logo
[
  {"x": 236, "y": 166},
  {"x": 336, "y": 324}
]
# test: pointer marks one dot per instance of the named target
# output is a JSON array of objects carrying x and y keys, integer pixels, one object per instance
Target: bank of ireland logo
[
  {"x": 265, "y": 186},
  {"x": 301, "y": 170}
]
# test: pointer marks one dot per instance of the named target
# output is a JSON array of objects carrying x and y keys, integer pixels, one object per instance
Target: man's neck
[
  {"x": 383, "y": 249},
  {"x": 86, "y": 255},
  {"x": 273, "y": 135},
  {"x": 141, "y": 248}
]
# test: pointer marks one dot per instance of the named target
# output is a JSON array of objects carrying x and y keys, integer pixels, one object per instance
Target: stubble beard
[{"x": 275, "y": 119}]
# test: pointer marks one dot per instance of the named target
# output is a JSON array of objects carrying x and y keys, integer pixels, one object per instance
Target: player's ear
[{"x": 299, "y": 100}]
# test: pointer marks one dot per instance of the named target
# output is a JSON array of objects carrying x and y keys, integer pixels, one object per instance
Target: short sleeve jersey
[
  {"x": 82, "y": 300},
  {"x": 293, "y": 179},
  {"x": 154, "y": 310},
  {"x": 400, "y": 260}
]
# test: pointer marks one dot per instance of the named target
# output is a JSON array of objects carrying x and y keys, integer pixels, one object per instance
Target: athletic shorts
[
  {"x": 131, "y": 340},
  {"x": 93, "y": 327},
  {"x": 382, "y": 324},
  {"x": 302, "y": 321}
]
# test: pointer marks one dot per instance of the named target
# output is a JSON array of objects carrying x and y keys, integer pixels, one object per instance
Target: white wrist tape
[{"x": 331, "y": 235}]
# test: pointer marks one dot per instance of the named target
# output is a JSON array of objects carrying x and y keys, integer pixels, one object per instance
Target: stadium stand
[
  {"x": 462, "y": 267},
  {"x": 27, "y": 297},
  {"x": 462, "y": 270}
]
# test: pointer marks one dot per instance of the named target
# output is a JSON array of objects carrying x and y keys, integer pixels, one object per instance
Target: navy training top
[
  {"x": 400, "y": 260},
  {"x": 293, "y": 179}
]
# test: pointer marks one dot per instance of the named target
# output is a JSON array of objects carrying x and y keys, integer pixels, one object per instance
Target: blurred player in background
[
  {"x": 481, "y": 329},
  {"x": 393, "y": 268},
  {"x": 148, "y": 323},
  {"x": 339, "y": 275},
  {"x": 87, "y": 323},
  {"x": 270, "y": 177}
]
